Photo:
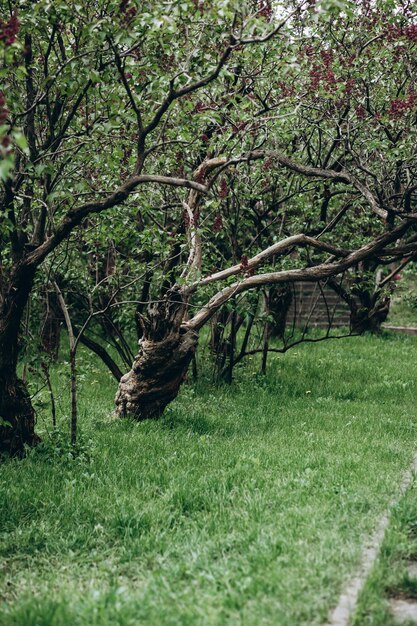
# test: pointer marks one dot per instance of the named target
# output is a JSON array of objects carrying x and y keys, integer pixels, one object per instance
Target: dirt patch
[{"x": 403, "y": 610}]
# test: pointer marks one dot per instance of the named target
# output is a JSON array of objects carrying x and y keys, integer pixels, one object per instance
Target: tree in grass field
[{"x": 147, "y": 120}]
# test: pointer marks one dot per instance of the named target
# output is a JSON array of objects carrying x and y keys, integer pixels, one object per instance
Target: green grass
[
  {"x": 403, "y": 310},
  {"x": 389, "y": 577},
  {"x": 245, "y": 505},
  {"x": 402, "y": 314}
]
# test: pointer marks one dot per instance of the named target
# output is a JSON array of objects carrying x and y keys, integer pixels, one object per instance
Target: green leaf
[{"x": 20, "y": 141}]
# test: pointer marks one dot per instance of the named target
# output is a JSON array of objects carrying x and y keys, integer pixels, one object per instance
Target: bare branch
[
  {"x": 276, "y": 249},
  {"x": 194, "y": 257},
  {"x": 313, "y": 274}
]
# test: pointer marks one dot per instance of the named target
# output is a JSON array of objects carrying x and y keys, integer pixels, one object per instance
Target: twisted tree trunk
[{"x": 166, "y": 349}]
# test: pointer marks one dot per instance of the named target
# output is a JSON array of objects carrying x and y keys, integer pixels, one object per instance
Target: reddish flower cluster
[
  {"x": 320, "y": 74},
  {"x": 286, "y": 89},
  {"x": 205, "y": 137},
  {"x": 327, "y": 57},
  {"x": 218, "y": 223},
  {"x": 399, "y": 107},
  {"x": 360, "y": 112},
  {"x": 9, "y": 30},
  {"x": 399, "y": 52},
  {"x": 265, "y": 9},
  {"x": 201, "y": 174},
  {"x": 238, "y": 127},
  {"x": 393, "y": 32},
  {"x": 244, "y": 266},
  {"x": 190, "y": 221},
  {"x": 200, "y": 106},
  {"x": 244, "y": 262},
  {"x": 410, "y": 32},
  {"x": 267, "y": 164},
  {"x": 128, "y": 12},
  {"x": 224, "y": 189},
  {"x": 349, "y": 86},
  {"x": 198, "y": 5}
]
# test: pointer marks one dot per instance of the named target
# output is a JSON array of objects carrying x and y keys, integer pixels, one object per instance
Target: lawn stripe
[{"x": 346, "y": 606}]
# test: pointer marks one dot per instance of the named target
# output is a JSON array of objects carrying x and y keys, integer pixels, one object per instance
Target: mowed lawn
[{"x": 244, "y": 505}]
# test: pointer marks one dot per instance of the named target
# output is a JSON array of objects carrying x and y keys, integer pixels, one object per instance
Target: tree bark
[
  {"x": 166, "y": 350},
  {"x": 17, "y": 417},
  {"x": 50, "y": 334},
  {"x": 280, "y": 299},
  {"x": 367, "y": 311},
  {"x": 370, "y": 319}
]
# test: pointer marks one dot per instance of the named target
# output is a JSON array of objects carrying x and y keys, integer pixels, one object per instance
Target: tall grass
[{"x": 245, "y": 504}]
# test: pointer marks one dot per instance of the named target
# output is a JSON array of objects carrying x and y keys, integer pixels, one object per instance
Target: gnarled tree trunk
[
  {"x": 17, "y": 424},
  {"x": 166, "y": 349},
  {"x": 370, "y": 318},
  {"x": 17, "y": 417}
]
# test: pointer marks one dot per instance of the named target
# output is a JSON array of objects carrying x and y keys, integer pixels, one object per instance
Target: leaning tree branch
[
  {"x": 276, "y": 249},
  {"x": 75, "y": 215},
  {"x": 312, "y": 274},
  {"x": 397, "y": 269}
]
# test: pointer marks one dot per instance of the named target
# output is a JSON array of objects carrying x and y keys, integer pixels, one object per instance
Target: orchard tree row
[{"x": 160, "y": 161}]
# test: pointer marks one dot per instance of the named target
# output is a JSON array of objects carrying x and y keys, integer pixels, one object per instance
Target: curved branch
[
  {"x": 194, "y": 239},
  {"x": 342, "y": 176},
  {"x": 312, "y": 274},
  {"x": 102, "y": 353},
  {"x": 234, "y": 43},
  {"x": 276, "y": 249},
  {"x": 306, "y": 170},
  {"x": 77, "y": 214},
  {"x": 288, "y": 346}
]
